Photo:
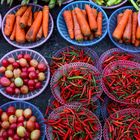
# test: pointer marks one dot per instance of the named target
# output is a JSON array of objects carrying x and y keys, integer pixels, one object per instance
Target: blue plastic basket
[
  {"x": 35, "y": 110},
  {"x": 61, "y": 26},
  {"x": 111, "y": 27}
]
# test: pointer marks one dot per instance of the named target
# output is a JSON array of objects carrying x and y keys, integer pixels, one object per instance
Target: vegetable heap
[
  {"x": 79, "y": 84},
  {"x": 127, "y": 29},
  {"x": 70, "y": 55},
  {"x": 25, "y": 25},
  {"x": 74, "y": 124},
  {"x": 124, "y": 84},
  {"x": 123, "y": 125},
  {"x": 107, "y": 2},
  {"x": 83, "y": 24}
]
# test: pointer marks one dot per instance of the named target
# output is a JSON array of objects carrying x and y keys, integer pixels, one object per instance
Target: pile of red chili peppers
[
  {"x": 124, "y": 84},
  {"x": 79, "y": 84},
  {"x": 74, "y": 124},
  {"x": 124, "y": 126},
  {"x": 70, "y": 55},
  {"x": 118, "y": 56}
]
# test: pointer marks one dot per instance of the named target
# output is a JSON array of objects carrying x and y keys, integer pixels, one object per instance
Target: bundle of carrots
[
  {"x": 25, "y": 25},
  {"x": 83, "y": 24},
  {"x": 127, "y": 30}
]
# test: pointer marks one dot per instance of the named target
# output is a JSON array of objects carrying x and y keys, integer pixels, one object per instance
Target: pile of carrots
[
  {"x": 127, "y": 30},
  {"x": 83, "y": 24},
  {"x": 25, "y": 25}
]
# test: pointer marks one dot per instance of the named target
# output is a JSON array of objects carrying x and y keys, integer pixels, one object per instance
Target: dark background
[{"x": 55, "y": 43}]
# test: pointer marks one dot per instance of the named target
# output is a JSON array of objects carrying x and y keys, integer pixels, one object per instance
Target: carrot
[
  {"x": 119, "y": 30},
  {"x": 69, "y": 23},
  {"x": 9, "y": 24},
  {"x": 99, "y": 24},
  {"x": 119, "y": 16},
  {"x": 95, "y": 13},
  {"x": 20, "y": 33},
  {"x": 84, "y": 26},
  {"x": 134, "y": 26},
  {"x": 138, "y": 33},
  {"x": 91, "y": 37},
  {"x": 91, "y": 19},
  {"x": 25, "y": 17},
  {"x": 35, "y": 14},
  {"x": 137, "y": 43},
  {"x": 30, "y": 20},
  {"x": 128, "y": 30},
  {"x": 34, "y": 29},
  {"x": 13, "y": 35},
  {"x": 39, "y": 34},
  {"x": 84, "y": 13},
  {"x": 77, "y": 31},
  {"x": 21, "y": 10},
  {"x": 45, "y": 24}
]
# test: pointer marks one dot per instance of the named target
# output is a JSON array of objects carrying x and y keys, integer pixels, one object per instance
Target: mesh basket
[
  {"x": 122, "y": 112},
  {"x": 28, "y": 45},
  {"x": 55, "y": 114},
  {"x": 35, "y": 110},
  {"x": 61, "y": 26},
  {"x": 65, "y": 69},
  {"x": 110, "y": 53},
  {"x": 35, "y": 93},
  {"x": 108, "y": 69}
]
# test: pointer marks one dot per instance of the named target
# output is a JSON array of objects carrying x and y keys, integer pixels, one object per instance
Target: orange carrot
[
  {"x": 39, "y": 34},
  {"x": 84, "y": 13},
  {"x": 77, "y": 31},
  {"x": 91, "y": 19},
  {"x": 134, "y": 26},
  {"x": 69, "y": 23},
  {"x": 13, "y": 35},
  {"x": 138, "y": 33},
  {"x": 119, "y": 30},
  {"x": 21, "y": 10},
  {"x": 35, "y": 14},
  {"x": 128, "y": 30},
  {"x": 95, "y": 13},
  {"x": 99, "y": 24},
  {"x": 91, "y": 37},
  {"x": 45, "y": 24},
  {"x": 20, "y": 33},
  {"x": 84, "y": 26},
  {"x": 137, "y": 43},
  {"x": 25, "y": 17},
  {"x": 34, "y": 29},
  {"x": 119, "y": 16},
  {"x": 9, "y": 24},
  {"x": 30, "y": 20}
]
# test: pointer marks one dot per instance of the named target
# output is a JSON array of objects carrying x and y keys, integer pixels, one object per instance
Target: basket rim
[
  {"x": 46, "y": 81},
  {"x": 20, "y": 46},
  {"x": 76, "y": 42},
  {"x": 116, "y": 63},
  {"x": 99, "y": 136},
  {"x": 68, "y": 66},
  {"x": 29, "y": 104},
  {"x": 111, "y": 7},
  {"x": 117, "y": 44}
]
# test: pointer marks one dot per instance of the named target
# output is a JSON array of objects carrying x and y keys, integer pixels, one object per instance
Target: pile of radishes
[
  {"x": 22, "y": 74},
  {"x": 18, "y": 124}
]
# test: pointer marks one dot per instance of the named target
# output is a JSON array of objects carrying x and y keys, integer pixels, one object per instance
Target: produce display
[
  {"x": 127, "y": 29},
  {"x": 26, "y": 25},
  {"x": 123, "y": 125},
  {"x": 83, "y": 24},
  {"x": 123, "y": 82},
  {"x": 21, "y": 74},
  {"x": 74, "y": 124},
  {"x": 70, "y": 55},
  {"x": 107, "y": 2},
  {"x": 18, "y": 124},
  {"x": 77, "y": 83}
]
